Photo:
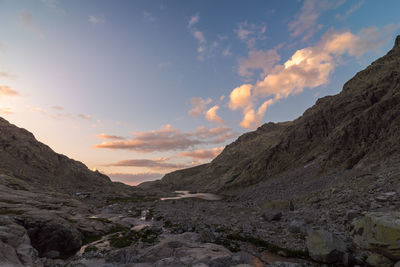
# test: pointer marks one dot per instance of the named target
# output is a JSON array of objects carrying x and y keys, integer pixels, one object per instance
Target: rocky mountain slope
[{"x": 349, "y": 130}]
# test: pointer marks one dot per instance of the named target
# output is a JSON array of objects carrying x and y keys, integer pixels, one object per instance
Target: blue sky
[{"x": 140, "y": 88}]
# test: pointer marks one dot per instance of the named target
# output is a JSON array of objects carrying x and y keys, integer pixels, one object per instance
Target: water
[{"x": 186, "y": 194}]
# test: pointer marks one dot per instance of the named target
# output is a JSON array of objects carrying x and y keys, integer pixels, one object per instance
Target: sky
[{"x": 137, "y": 89}]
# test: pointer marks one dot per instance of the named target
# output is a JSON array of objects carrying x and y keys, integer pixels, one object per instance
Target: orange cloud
[
  {"x": 257, "y": 59},
  {"x": 152, "y": 164},
  {"x": 202, "y": 153},
  {"x": 240, "y": 97},
  {"x": 7, "y": 91},
  {"x": 211, "y": 115},
  {"x": 199, "y": 105},
  {"x": 106, "y": 136},
  {"x": 6, "y": 111},
  {"x": 168, "y": 139}
]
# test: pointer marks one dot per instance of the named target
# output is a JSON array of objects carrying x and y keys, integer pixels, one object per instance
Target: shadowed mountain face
[
  {"x": 359, "y": 125},
  {"x": 23, "y": 157}
]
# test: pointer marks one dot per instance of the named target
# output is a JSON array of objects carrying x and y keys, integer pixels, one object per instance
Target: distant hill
[
  {"x": 349, "y": 130},
  {"x": 23, "y": 157}
]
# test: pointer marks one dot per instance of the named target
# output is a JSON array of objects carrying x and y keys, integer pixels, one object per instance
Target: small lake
[{"x": 187, "y": 194}]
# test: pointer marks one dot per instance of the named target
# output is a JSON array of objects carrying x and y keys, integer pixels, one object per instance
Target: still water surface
[{"x": 186, "y": 194}]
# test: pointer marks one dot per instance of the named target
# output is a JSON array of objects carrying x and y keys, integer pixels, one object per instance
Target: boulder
[
  {"x": 272, "y": 215},
  {"x": 8, "y": 256},
  {"x": 378, "y": 260},
  {"x": 379, "y": 232},
  {"x": 325, "y": 247}
]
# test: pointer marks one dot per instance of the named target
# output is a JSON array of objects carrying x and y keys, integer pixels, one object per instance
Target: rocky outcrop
[
  {"x": 325, "y": 247},
  {"x": 379, "y": 232},
  {"x": 353, "y": 128}
]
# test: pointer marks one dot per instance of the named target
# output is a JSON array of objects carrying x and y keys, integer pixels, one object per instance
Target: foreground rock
[{"x": 325, "y": 247}]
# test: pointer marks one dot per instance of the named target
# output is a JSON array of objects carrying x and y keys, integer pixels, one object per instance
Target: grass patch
[
  {"x": 90, "y": 239},
  {"x": 277, "y": 204},
  {"x": 146, "y": 235},
  {"x": 91, "y": 249}
]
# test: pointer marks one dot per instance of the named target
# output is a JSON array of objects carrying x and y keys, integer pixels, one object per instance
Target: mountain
[
  {"x": 23, "y": 157},
  {"x": 349, "y": 130}
]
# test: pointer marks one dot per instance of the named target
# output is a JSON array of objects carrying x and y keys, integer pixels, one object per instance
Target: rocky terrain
[{"x": 318, "y": 191}]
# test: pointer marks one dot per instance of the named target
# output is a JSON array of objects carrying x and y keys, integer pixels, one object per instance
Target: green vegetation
[
  {"x": 91, "y": 249},
  {"x": 146, "y": 235},
  {"x": 277, "y": 204},
  {"x": 90, "y": 239}
]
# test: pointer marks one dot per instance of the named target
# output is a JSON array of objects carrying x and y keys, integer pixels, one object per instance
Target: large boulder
[
  {"x": 379, "y": 232},
  {"x": 323, "y": 246}
]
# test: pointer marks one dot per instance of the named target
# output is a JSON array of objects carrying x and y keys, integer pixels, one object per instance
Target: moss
[
  {"x": 146, "y": 235},
  {"x": 90, "y": 239},
  {"x": 91, "y": 249}
]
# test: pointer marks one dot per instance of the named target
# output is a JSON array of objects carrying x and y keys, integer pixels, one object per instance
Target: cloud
[
  {"x": 85, "y": 116},
  {"x": 152, "y": 164},
  {"x": 257, "y": 59},
  {"x": 241, "y": 97},
  {"x": 97, "y": 19},
  {"x": 193, "y": 20},
  {"x": 250, "y": 33},
  {"x": 199, "y": 105},
  {"x": 7, "y": 91},
  {"x": 309, "y": 67},
  {"x": 26, "y": 20},
  {"x": 170, "y": 139},
  {"x": 164, "y": 65},
  {"x": 149, "y": 17},
  {"x": 202, "y": 153},
  {"x": 227, "y": 51},
  {"x": 350, "y": 11},
  {"x": 135, "y": 178},
  {"x": 305, "y": 22},
  {"x": 6, "y": 111},
  {"x": 112, "y": 137},
  {"x": 199, "y": 36},
  {"x": 211, "y": 115},
  {"x": 4, "y": 74},
  {"x": 57, "y": 108}
]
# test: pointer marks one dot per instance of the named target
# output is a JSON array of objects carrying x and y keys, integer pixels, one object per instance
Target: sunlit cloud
[
  {"x": 135, "y": 178},
  {"x": 27, "y": 21},
  {"x": 305, "y": 23},
  {"x": 170, "y": 139},
  {"x": 7, "y": 91},
  {"x": 202, "y": 154},
  {"x": 109, "y": 137},
  {"x": 199, "y": 106},
  {"x": 96, "y": 19},
  {"x": 193, "y": 20},
  {"x": 309, "y": 67},
  {"x": 5, "y": 111},
  {"x": 211, "y": 115},
  {"x": 227, "y": 51},
  {"x": 151, "y": 164},
  {"x": 257, "y": 59},
  {"x": 85, "y": 116}
]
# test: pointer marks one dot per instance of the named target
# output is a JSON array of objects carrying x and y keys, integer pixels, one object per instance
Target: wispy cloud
[
  {"x": 110, "y": 137},
  {"x": 170, "y": 139},
  {"x": 7, "y": 91},
  {"x": 350, "y": 11},
  {"x": 151, "y": 164},
  {"x": 149, "y": 17},
  {"x": 98, "y": 19},
  {"x": 305, "y": 23},
  {"x": 202, "y": 154},
  {"x": 27, "y": 21},
  {"x": 164, "y": 65},
  {"x": 227, "y": 51},
  {"x": 193, "y": 20},
  {"x": 199, "y": 106},
  {"x": 6, "y": 111},
  {"x": 250, "y": 33}
]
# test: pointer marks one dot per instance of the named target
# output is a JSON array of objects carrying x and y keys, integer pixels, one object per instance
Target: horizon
[{"x": 142, "y": 89}]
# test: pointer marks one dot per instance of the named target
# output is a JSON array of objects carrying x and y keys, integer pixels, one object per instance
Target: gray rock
[
  {"x": 325, "y": 247},
  {"x": 272, "y": 215}
]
